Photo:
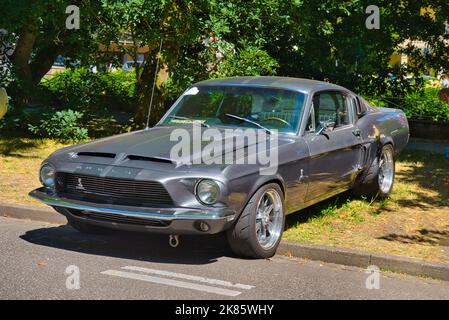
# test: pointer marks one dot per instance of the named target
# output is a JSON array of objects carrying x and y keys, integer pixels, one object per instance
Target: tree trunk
[
  {"x": 444, "y": 95},
  {"x": 20, "y": 60},
  {"x": 43, "y": 61},
  {"x": 143, "y": 95},
  {"x": 145, "y": 84},
  {"x": 30, "y": 70}
]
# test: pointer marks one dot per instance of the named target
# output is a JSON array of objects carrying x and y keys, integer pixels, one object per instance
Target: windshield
[{"x": 223, "y": 106}]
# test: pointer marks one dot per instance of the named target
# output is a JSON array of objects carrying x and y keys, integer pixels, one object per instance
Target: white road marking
[
  {"x": 171, "y": 282},
  {"x": 190, "y": 277}
]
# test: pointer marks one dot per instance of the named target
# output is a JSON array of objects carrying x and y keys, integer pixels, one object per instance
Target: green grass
[
  {"x": 413, "y": 221},
  {"x": 20, "y": 160}
]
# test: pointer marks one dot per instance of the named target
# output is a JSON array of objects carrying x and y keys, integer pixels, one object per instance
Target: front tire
[
  {"x": 258, "y": 231},
  {"x": 378, "y": 179}
]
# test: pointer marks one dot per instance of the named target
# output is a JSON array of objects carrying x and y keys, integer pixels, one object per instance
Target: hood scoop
[
  {"x": 150, "y": 159},
  {"x": 96, "y": 154}
]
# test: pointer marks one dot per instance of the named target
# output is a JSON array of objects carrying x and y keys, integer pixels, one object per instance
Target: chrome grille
[{"x": 112, "y": 190}]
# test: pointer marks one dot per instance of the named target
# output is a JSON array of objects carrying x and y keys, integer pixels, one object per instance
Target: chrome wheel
[
  {"x": 269, "y": 219},
  {"x": 386, "y": 170}
]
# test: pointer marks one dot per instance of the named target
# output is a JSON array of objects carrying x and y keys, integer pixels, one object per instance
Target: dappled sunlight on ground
[
  {"x": 20, "y": 160},
  {"x": 413, "y": 222}
]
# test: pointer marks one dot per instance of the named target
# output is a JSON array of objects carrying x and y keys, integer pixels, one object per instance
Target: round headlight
[
  {"x": 207, "y": 191},
  {"x": 47, "y": 175}
]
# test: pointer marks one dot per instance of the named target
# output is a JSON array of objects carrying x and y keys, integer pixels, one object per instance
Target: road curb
[
  {"x": 32, "y": 213},
  {"x": 363, "y": 259},
  {"x": 329, "y": 254}
]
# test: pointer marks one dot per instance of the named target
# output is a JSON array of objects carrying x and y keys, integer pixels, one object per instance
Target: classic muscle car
[{"x": 329, "y": 140}]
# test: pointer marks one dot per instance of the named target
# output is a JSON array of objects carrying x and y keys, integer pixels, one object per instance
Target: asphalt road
[{"x": 34, "y": 258}]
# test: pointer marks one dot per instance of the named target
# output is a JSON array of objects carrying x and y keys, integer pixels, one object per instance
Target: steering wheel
[{"x": 278, "y": 119}]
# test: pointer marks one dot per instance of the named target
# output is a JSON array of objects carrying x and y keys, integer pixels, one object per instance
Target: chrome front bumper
[{"x": 160, "y": 220}]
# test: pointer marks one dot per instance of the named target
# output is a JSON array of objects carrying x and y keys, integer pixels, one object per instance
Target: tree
[
  {"x": 329, "y": 41},
  {"x": 187, "y": 55},
  {"x": 325, "y": 40},
  {"x": 147, "y": 22},
  {"x": 38, "y": 29}
]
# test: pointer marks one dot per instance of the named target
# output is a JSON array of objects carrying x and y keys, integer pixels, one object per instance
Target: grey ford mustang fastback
[{"x": 328, "y": 140}]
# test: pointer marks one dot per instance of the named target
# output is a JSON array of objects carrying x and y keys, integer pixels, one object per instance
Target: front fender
[{"x": 243, "y": 188}]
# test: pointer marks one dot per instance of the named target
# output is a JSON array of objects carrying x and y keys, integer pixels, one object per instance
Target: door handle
[{"x": 357, "y": 132}]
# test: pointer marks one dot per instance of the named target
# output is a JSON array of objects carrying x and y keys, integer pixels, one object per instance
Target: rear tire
[
  {"x": 258, "y": 231},
  {"x": 85, "y": 227},
  {"x": 378, "y": 179}
]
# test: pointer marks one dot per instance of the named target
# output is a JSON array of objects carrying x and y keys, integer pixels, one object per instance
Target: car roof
[{"x": 296, "y": 84}]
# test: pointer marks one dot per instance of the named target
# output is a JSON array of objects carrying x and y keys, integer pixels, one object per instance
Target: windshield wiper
[
  {"x": 248, "y": 121},
  {"x": 191, "y": 119}
]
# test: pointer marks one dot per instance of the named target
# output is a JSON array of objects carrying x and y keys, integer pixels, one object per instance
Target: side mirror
[
  {"x": 324, "y": 128},
  {"x": 321, "y": 131}
]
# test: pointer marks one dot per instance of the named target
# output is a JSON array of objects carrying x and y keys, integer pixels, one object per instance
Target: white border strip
[
  {"x": 171, "y": 282},
  {"x": 190, "y": 277}
]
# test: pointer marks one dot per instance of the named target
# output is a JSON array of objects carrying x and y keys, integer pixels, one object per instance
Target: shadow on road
[{"x": 144, "y": 247}]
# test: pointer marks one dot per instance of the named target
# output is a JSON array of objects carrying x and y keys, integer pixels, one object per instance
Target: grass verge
[
  {"x": 20, "y": 160},
  {"x": 413, "y": 222}
]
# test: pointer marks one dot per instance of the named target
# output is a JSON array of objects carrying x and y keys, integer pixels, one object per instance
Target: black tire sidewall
[
  {"x": 257, "y": 251},
  {"x": 367, "y": 184},
  {"x": 386, "y": 194}
]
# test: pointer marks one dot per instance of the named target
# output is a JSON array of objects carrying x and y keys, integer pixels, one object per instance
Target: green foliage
[
  {"x": 324, "y": 40},
  {"x": 426, "y": 105},
  {"x": 82, "y": 89},
  {"x": 18, "y": 118},
  {"x": 37, "y": 30},
  {"x": 61, "y": 125},
  {"x": 6, "y": 76},
  {"x": 248, "y": 61},
  {"x": 423, "y": 105}
]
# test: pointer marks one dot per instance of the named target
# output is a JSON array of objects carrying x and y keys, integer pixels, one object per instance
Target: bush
[
  {"x": 426, "y": 105},
  {"x": 17, "y": 118},
  {"x": 423, "y": 104},
  {"x": 248, "y": 61},
  {"x": 61, "y": 125},
  {"x": 81, "y": 89},
  {"x": 216, "y": 60}
]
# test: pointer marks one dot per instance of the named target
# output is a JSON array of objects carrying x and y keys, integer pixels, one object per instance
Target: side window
[{"x": 331, "y": 109}]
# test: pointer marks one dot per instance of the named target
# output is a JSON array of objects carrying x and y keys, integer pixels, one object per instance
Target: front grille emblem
[
  {"x": 73, "y": 155},
  {"x": 80, "y": 186}
]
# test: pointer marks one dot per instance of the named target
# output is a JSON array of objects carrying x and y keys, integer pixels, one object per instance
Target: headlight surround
[
  {"x": 207, "y": 191},
  {"x": 47, "y": 175}
]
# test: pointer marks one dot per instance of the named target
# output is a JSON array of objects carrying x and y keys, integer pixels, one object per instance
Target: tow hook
[{"x": 173, "y": 240}]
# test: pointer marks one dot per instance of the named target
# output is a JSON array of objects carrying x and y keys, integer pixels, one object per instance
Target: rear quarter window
[{"x": 363, "y": 106}]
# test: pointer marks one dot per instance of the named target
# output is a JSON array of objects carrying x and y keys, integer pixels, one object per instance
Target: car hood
[{"x": 154, "y": 144}]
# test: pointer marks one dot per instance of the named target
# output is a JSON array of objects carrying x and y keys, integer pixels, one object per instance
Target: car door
[
  {"x": 294, "y": 170},
  {"x": 334, "y": 144}
]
